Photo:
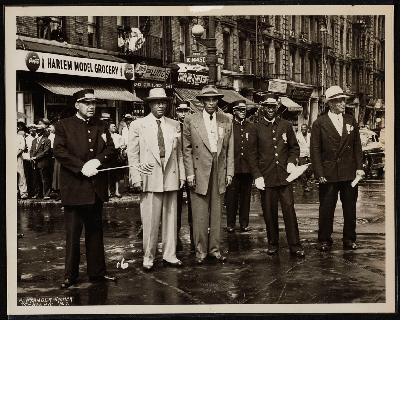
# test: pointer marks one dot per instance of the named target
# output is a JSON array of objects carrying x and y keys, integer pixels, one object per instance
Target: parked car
[{"x": 373, "y": 152}]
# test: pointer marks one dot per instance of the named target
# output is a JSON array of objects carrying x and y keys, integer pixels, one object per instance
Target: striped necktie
[{"x": 160, "y": 137}]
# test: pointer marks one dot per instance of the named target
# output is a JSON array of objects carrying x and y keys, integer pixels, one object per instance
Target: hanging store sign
[
  {"x": 192, "y": 78},
  {"x": 67, "y": 65},
  {"x": 151, "y": 85},
  {"x": 301, "y": 92},
  {"x": 145, "y": 71},
  {"x": 277, "y": 86}
]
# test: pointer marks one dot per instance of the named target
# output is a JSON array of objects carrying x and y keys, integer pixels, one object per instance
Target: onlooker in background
[
  {"x": 55, "y": 184},
  {"x": 117, "y": 174},
  {"x": 182, "y": 111},
  {"x": 40, "y": 158},
  {"x": 304, "y": 139},
  {"x": 239, "y": 192},
  {"x": 28, "y": 166},
  {"x": 22, "y": 187},
  {"x": 125, "y": 139}
]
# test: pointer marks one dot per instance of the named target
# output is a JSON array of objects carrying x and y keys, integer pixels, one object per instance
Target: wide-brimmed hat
[
  {"x": 84, "y": 95},
  {"x": 239, "y": 104},
  {"x": 209, "y": 91},
  {"x": 335, "y": 92},
  {"x": 41, "y": 127},
  {"x": 269, "y": 99},
  {"x": 183, "y": 106},
  {"x": 157, "y": 94},
  {"x": 128, "y": 116}
]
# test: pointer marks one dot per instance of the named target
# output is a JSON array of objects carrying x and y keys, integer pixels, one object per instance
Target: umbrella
[{"x": 21, "y": 115}]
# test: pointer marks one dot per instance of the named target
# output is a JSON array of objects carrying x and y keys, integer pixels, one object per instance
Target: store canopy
[
  {"x": 231, "y": 95},
  {"x": 103, "y": 91},
  {"x": 290, "y": 104}
]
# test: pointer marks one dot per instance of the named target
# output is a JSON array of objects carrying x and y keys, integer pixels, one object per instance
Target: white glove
[
  {"x": 290, "y": 168},
  {"x": 259, "y": 182},
  {"x": 90, "y": 167}
]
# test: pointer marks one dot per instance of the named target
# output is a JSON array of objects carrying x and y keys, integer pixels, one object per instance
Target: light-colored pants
[
  {"x": 155, "y": 208},
  {"x": 22, "y": 186}
]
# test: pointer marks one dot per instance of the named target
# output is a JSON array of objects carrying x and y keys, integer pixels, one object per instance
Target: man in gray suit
[{"x": 209, "y": 165}]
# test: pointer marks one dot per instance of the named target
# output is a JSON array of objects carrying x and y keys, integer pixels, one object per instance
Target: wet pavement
[{"x": 249, "y": 277}]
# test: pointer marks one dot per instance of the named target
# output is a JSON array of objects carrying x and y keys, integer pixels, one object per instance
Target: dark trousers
[
  {"x": 41, "y": 181},
  {"x": 89, "y": 216},
  {"x": 238, "y": 193},
  {"x": 269, "y": 200},
  {"x": 29, "y": 176},
  {"x": 328, "y": 196},
  {"x": 180, "y": 205}
]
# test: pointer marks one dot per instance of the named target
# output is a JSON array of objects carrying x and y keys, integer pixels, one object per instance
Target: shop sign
[
  {"x": 277, "y": 86},
  {"x": 67, "y": 65},
  {"x": 196, "y": 60},
  {"x": 145, "y": 71},
  {"x": 301, "y": 92},
  {"x": 192, "y": 78},
  {"x": 151, "y": 85}
]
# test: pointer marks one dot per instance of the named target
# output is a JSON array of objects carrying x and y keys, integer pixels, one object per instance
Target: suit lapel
[
  {"x": 168, "y": 138},
  {"x": 220, "y": 129},
  {"x": 331, "y": 128},
  {"x": 202, "y": 130},
  {"x": 345, "y": 135},
  {"x": 149, "y": 131}
]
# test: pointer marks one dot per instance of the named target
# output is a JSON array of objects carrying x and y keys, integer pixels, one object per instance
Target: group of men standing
[{"x": 214, "y": 156}]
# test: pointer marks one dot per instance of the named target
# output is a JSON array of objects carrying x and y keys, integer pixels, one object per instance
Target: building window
[
  {"x": 293, "y": 25},
  {"x": 348, "y": 42},
  {"x": 341, "y": 40},
  {"x": 253, "y": 61},
  {"x": 277, "y": 63},
  {"x": 184, "y": 42},
  {"x": 303, "y": 24},
  {"x": 50, "y": 28},
  {"x": 348, "y": 77},
  {"x": 302, "y": 69},
  {"x": 93, "y": 31},
  {"x": 341, "y": 76},
  {"x": 227, "y": 50},
  {"x": 278, "y": 23},
  {"x": 293, "y": 65}
]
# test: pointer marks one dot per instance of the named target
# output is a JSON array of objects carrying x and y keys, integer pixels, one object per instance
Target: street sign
[{"x": 196, "y": 60}]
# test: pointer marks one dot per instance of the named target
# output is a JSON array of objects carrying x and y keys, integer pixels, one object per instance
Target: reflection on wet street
[{"x": 249, "y": 277}]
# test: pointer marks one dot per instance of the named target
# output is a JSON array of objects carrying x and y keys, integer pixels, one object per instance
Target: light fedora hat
[
  {"x": 157, "y": 94},
  {"x": 335, "y": 92},
  {"x": 269, "y": 98},
  {"x": 209, "y": 91}
]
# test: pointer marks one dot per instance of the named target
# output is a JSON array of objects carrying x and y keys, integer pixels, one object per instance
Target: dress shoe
[
  {"x": 118, "y": 195},
  {"x": 230, "y": 230},
  {"x": 350, "y": 246},
  {"x": 200, "y": 260},
  {"x": 46, "y": 198},
  {"x": 298, "y": 253},
  {"x": 219, "y": 258},
  {"x": 324, "y": 247},
  {"x": 245, "y": 229},
  {"x": 67, "y": 283},
  {"x": 35, "y": 196},
  {"x": 147, "y": 267},
  {"x": 24, "y": 197},
  {"x": 177, "y": 263},
  {"x": 103, "y": 278}
]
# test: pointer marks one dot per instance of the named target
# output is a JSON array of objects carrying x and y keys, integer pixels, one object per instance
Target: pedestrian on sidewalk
[
  {"x": 209, "y": 165},
  {"x": 22, "y": 187},
  {"x": 81, "y": 151},
  {"x": 239, "y": 192},
  {"x": 337, "y": 159},
  {"x": 273, "y": 153},
  {"x": 156, "y": 139},
  {"x": 304, "y": 140}
]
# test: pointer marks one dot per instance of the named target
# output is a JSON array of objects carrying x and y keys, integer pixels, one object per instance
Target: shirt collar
[
  {"x": 206, "y": 115},
  {"x": 162, "y": 119},
  {"x": 333, "y": 115}
]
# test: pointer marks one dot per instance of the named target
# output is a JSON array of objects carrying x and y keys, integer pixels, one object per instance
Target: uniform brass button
[
  {"x": 277, "y": 162},
  {"x": 91, "y": 149},
  {"x": 275, "y": 147},
  {"x": 90, "y": 140},
  {"x": 276, "y": 154},
  {"x": 274, "y": 138}
]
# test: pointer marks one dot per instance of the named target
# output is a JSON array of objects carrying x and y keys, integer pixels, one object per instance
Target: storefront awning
[
  {"x": 103, "y": 91},
  {"x": 231, "y": 95},
  {"x": 290, "y": 104}
]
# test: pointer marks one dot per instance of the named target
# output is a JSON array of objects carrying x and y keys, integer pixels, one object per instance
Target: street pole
[{"x": 212, "y": 52}]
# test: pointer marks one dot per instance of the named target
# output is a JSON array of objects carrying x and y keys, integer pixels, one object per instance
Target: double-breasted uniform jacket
[
  {"x": 241, "y": 138},
  {"x": 42, "y": 153},
  {"x": 143, "y": 148},
  {"x": 333, "y": 156},
  {"x": 75, "y": 143},
  {"x": 197, "y": 155},
  {"x": 270, "y": 149}
]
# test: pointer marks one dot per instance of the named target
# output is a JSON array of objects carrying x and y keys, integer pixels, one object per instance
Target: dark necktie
[{"x": 160, "y": 137}]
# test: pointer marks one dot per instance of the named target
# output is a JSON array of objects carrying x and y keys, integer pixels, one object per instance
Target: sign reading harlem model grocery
[{"x": 66, "y": 65}]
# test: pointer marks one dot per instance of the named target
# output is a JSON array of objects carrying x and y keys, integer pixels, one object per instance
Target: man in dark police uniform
[
  {"x": 81, "y": 151},
  {"x": 273, "y": 153},
  {"x": 239, "y": 192}
]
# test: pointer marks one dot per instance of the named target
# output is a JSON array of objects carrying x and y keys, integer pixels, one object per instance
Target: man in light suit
[
  {"x": 337, "y": 159},
  {"x": 156, "y": 139},
  {"x": 209, "y": 164}
]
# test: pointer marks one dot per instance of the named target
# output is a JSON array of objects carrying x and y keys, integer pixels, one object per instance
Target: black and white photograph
[{"x": 232, "y": 159}]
